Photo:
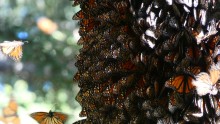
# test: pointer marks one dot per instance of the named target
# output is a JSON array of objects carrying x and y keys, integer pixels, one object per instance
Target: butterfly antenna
[
  {"x": 54, "y": 107},
  {"x": 26, "y": 41}
]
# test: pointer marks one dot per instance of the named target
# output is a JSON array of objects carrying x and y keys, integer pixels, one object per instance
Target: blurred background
[{"x": 43, "y": 79}]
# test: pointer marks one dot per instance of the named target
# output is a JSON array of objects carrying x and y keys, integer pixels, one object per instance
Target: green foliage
[
  {"x": 47, "y": 65},
  {"x": 29, "y": 102}
]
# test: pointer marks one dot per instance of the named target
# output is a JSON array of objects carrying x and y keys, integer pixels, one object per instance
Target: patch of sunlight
[
  {"x": 8, "y": 89},
  {"x": 58, "y": 35},
  {"x": 76, "y": 35},
  {"x": 48, "y": 46},
  {"x": 67, "y": 51},
  {"x": 21, "y": 92},
  {"x": 62, "y": 95},
  {"x": 71, "y": 41}
]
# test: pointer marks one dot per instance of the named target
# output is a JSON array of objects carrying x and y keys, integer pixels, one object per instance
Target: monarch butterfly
[
  {"x": 10, "y": 113},
  {"x": 205, "y": 83},
  {"x": 49, "y": 118},
  {"x": 12, "y": 49},
  {"x": 80, "y": 15},
  {"x": 180, "y": 83},
  {"x": 193, "y": 53}
]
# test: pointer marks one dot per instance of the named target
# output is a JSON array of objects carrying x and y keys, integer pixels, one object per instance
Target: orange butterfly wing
[
  {"x": 193, "y": 53},
  {"x": 52, "y": 120},
  {"x": 16, "y": 53},
  {"x": 12, "y": 49},
  {"x": 10, "y": 113},
  {"x": 181, "y": 84},
  {"x": 49, "y": 118},
  {"x": 61, "y": 116},
  {"x": 79, "y": 15},
  {"x": 39, "y": 116},
  {"x": 13, "y": 105}
]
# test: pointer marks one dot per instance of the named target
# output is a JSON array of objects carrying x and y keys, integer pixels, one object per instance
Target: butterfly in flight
[
  {"x": 12, "y": 49},
  {"x": 9, "y": 112},
  {"x": 49, "y": 118}
]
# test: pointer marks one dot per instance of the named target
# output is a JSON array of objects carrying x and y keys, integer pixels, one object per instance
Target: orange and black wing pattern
[
  {"x": 133, "y": 49},
  {"x": 12, "y": 49},
  {"x": 16, "y": 54},
  {"x": 49, "y": 118},
  {"x": 181, "y": 84}
]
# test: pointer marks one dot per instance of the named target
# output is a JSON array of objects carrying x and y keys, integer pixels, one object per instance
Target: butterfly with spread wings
[
  {"x": 12, "y": 49},
  {"x": 49, "y": 118},
  {"x": 180, "y": 83}
]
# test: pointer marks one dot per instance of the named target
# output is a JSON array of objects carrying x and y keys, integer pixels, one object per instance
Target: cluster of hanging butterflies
[
  {"x": 149, "y": 61},
  {"x": 13, "y": 49}
]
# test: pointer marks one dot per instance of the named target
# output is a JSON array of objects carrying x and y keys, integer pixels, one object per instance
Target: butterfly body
[{"x": 49, "y": 118}]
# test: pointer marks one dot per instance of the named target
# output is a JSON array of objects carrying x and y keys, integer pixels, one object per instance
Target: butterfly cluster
[{"x": 148, "y": 61}]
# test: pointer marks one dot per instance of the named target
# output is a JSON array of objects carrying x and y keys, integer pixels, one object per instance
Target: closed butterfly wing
[
  {"x": 49, "y": 118},
  {"x": 193, "y": 53},
  {"x": 79, "y": 15}
]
